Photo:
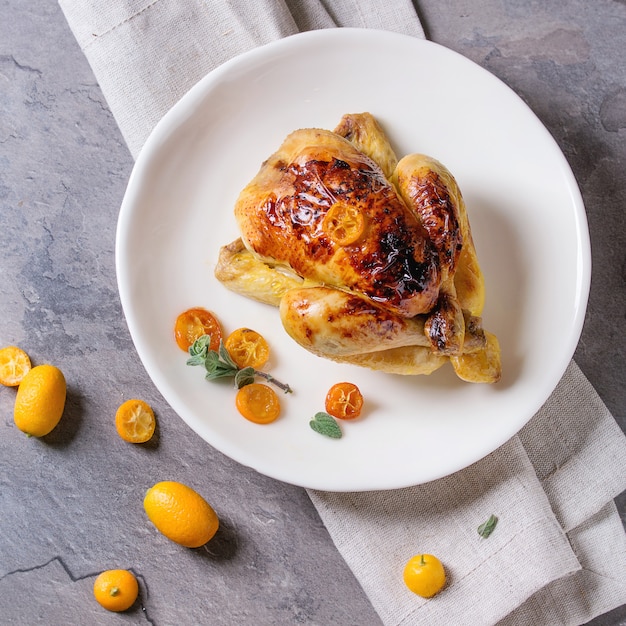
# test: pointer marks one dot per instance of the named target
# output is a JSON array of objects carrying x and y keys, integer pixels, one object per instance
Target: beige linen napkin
[
  {"x": 558, "y": 555},
  {"x": 146, "y": 54}
]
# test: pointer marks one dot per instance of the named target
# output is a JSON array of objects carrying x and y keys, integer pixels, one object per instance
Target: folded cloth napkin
[{"x": 558, "y": 554}]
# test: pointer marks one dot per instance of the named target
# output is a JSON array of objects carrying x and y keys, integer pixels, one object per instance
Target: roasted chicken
[{"x": 369, "y": 259}]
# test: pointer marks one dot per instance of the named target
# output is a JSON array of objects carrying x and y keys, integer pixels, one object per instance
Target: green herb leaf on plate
[
  {"x": 225, "y": 356},
  {"x": 244, "y": 377},
  {"x": 219, "y": 364},
  {"x": 324, "y": 424}
]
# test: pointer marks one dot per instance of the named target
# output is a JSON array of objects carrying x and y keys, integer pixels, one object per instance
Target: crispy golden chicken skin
[
  {"x": 369, "y": 259},
  {"x": 296, "y": 210}
]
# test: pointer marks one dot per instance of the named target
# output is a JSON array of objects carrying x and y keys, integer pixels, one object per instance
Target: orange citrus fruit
[
  {"x": 344, "y": 401},
  {"x": 40, "y": 400},
  {"x": 134, "y": 421},
  {"x": 192, "y": 324},
  {"x": 247, "y": 348},
  {"x": 344, "y": 223},
  {"x": 424, "y": 575},
  {"x": 14, "y": 365},
  {"x": 180, "y": 513},
  {"x": 258, "y": 403},
  {"x": 116, "y": 589}
]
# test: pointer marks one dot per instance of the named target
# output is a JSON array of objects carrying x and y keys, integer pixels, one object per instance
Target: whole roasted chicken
[{"x": 370, "y": 260}]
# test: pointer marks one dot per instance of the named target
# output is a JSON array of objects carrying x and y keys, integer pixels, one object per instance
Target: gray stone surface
[{"x": 70, "y": 504}]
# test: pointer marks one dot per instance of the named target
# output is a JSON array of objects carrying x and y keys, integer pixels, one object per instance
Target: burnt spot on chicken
[
  {"x": 340, "y": 164},
  {"x": 398, "y": 268},
  {"x": 445, "y": 327}
]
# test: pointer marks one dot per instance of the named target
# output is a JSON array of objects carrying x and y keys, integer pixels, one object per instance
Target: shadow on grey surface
[
  {"x": 69, "y": 425},
  {"x": 223, "y": 546},
  {"x": 612, "y": 618}
]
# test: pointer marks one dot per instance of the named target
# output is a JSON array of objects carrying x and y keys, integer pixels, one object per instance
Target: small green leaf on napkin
[
  {"x": 486, "y": 528},
  {"x": 325, "y": 425}
]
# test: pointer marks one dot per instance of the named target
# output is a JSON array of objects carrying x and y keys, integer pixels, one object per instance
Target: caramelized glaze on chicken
[
  {"x": 370, "y": 260},
  {"x": 283, "y": 217}
]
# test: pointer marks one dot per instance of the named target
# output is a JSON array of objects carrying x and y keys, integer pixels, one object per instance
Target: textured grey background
[{"x": 70, "y": 505}]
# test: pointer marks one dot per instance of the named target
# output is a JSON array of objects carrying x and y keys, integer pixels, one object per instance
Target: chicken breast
[{"x": 325, "y": 210}]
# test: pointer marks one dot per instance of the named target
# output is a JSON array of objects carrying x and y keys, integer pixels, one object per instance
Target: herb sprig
[{"x": 219, "y": 364}]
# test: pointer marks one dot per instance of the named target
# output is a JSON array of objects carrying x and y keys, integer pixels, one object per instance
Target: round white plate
[{"x": 527, "y": 217}]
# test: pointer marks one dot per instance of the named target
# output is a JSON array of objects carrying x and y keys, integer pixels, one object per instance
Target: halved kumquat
[
  {"x": 247, "y": 348},
  {"x": 134, "y": 421},
  {"x": 344, "y": 401},
  {"x": 192, "y": 324},
  {"x": 14, "y": 365},
  {"x": 258, "y": 403}
]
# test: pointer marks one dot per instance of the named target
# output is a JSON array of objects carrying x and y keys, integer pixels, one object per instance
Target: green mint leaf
[
  {"x": 200, "y": 346},
  {"x": 244, "y": 377},
  {"x": 216, "y": 368},
  {"x": 219, "y": 371},
  {"x": 211, "y": 361},
  {"x": 196, "y": 359},
  {"x": 486, "y": 528},
  {"x": 325, "y": 425},
  {"x": 225, "y": 356}
]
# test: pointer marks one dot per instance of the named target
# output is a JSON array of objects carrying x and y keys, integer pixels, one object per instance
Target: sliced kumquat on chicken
[
  {"x": 344, "y": 223},
  {"x": 258, "y": 403},
  {"x": 247, "y": 348},
  {"x": 195, "y": 322}
]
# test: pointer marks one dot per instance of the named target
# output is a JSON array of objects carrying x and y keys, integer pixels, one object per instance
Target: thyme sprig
[{"x": 219, "y": 364}]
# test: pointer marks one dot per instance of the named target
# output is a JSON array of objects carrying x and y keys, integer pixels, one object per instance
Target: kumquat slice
[
  {"x": 344, "y": 224},
  {"x": 258, "y": 403},
  {"x": 192, "y": 324},
  {"x": 344, "y": 401},
  {"x": 14, "y": 365},
  {"x": 247, "y": 348}
]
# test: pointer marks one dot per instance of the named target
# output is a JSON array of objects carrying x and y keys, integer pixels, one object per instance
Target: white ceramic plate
[{"x": 526, "y": 212}]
